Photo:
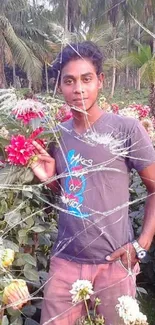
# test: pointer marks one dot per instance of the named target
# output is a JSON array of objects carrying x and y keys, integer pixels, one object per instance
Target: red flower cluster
[
  {"x": 34, "y": 135},
  {"x": 27, "y": 117},
  {"x": 28, "y": 109},
  {"x": 21, "y": 149},
  {"x": 143, "y": 111},
  {"x": 64, "y": 113},
  {"x": 115, "y": 108}
]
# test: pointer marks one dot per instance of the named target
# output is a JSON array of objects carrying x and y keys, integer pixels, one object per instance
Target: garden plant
[{"x": 28, "y": 209}]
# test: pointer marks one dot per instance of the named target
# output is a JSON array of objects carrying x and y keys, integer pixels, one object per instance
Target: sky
[{"x": 41, "y": 2}]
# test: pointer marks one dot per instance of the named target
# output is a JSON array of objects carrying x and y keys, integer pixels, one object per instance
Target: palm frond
[
  {"x": 138, "y": 58},
  {"x": 110, "y": 63},
  {"x": 11, "y": 6},
  {"x": 22, "y": 54},
  {"x": 132, "y": 60},
  {"x": 147, "y": 71},
  {"x": 8, "y": 54}
]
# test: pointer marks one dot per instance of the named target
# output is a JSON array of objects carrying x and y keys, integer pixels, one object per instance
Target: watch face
[{"x": 141, "y": 254}]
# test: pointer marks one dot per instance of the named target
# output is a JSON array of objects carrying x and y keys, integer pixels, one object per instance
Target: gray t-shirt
[{"x": 94, "y": 177}]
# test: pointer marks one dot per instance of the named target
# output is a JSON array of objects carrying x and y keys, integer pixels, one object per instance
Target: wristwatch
[{"x": 140, "y": 251}]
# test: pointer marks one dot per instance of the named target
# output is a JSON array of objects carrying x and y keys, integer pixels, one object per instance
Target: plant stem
[
  {"x": 2, "y": 313},
  {"x": 87, "y": 310},
  {"x": 95, "y": 310}
]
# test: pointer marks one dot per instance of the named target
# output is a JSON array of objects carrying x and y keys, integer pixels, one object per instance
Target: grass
[{"x": 124, "y": 97}]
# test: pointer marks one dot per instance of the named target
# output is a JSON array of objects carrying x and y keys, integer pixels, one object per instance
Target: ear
[
  {"x": 100, "y": 79},
  {"x": 59, "y": 90}
]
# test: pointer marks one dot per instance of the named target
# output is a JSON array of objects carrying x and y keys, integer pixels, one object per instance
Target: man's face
[{"x": 80, "y": 84}]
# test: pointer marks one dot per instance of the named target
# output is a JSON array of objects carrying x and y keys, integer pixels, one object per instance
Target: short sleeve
[{"x": 141, "y": 153}]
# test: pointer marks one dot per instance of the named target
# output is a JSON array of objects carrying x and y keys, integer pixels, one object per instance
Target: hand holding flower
[{"x": 43, "y": 165}]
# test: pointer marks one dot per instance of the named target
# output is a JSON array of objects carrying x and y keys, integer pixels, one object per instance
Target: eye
[
  {"x": 68, "y": 81},
  {"x": 87, "y": 79}
]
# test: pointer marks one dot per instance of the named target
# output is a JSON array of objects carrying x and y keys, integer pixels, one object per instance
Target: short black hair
[{"x": 74, "y": 51}]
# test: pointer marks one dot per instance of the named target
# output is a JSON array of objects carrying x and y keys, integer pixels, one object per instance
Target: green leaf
[
  {"x": 23, "y": 238},
  {"x": 142, "y": 290},
  {"x": 30, "y": 321},
  {"x": 29, "y": 310},
  {"x": 14, "y": 174},
  {"x": 27, "y": 194},
  {"x": 43, "y": 275},
  {"x": 28, "y": 210},
  {"x": 29, "y": 221},
  {"x": 30, "y": 273},
  {"x": 19, "y": 262},
  {"x": 38, "y": 228},
  {"x": 13, "y": 218},
  {"x": 44, "y": 240},
  {"x": 3, "y": 207},
  {"x": 43, "y": 260},
  {"x": 13, "y": 313},
  {"x": 9, "y": 244},
  {"x": 29, "y": 259},
  {"x": 4, "y": 141},
  {"x": 5, "y": 321},
  {"x": 16, "y": 321}
]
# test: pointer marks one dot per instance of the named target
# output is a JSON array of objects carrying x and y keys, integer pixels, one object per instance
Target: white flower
[
  {"x": 4, "y": 132},
  {"x": 129, "y": 112},
  {"x": 128, "y": 310},
  {"x": 142, "y": 317},
  {"x": 81, "y": 290},
  {"x": 28, "y": 105}
]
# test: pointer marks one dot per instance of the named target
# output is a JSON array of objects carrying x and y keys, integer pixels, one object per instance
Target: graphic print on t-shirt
[{"x": 75, "y": 185}]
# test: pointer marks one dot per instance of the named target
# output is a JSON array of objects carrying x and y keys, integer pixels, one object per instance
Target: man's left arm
[
  {"x": 127, "y": 253},
  {"x": 148, "y": 229}
]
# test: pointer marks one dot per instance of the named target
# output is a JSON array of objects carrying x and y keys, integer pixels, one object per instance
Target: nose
[{"x": 78, "y": 88}]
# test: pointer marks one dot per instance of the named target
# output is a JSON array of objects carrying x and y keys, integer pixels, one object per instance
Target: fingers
[
  {"x": 40, "y": 148},
  {"x": 126, "y": 250},
  {"x": 115, "y": 255},
  {"x": 45, "y": 158}
]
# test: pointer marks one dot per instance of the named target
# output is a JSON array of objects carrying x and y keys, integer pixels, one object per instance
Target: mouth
[{"x": 79, "y": 100}]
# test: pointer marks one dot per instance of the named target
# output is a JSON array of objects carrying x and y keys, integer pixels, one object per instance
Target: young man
[{"x": 95, "y": 154}]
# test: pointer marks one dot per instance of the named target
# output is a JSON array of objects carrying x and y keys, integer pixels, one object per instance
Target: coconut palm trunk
[
  {"x": 154, "y": 32},
  {"x": 128, "y": 49},
  {"x": 2, "y": 73},
  {"x": 138, "y": 71},
  {"x": 114, "y": 67},
  {"x": 66, "y": 17},
  {"x": 152, "y": 99},
  {"x": 14, "y": 73},
  {"x": 46, "y": 77}
]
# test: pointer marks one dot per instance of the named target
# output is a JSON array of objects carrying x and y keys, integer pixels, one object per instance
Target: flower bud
[
  {"x": 7, "y": 257},
  {"x": 16, "y": 293}
]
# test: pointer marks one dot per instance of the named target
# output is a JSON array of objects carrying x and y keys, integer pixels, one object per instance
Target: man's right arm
[{"x": 44, "y": 168}]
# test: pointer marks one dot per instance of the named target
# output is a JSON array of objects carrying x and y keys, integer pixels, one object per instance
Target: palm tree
[
  {"x": 69, "y": 13},
  {"x": 145, "y": 62},
  {"x": 24, "y": 31},
  {"x": 21, "y": 53},
  {"x": 113, "y": 6},
  {"x": 150, "y": 12}
]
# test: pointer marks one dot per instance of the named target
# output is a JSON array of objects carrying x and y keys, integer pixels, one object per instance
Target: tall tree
[
  {"x": 145, "y": 61},
  {"x": 72, "y": 9},
  {"x": 21, "y": 53},
  {"x": 113, "y": 17},
  {"x": 150, "y": 10}
]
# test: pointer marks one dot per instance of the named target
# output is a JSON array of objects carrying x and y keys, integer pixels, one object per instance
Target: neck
[{"x": 83, "y": 121}]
